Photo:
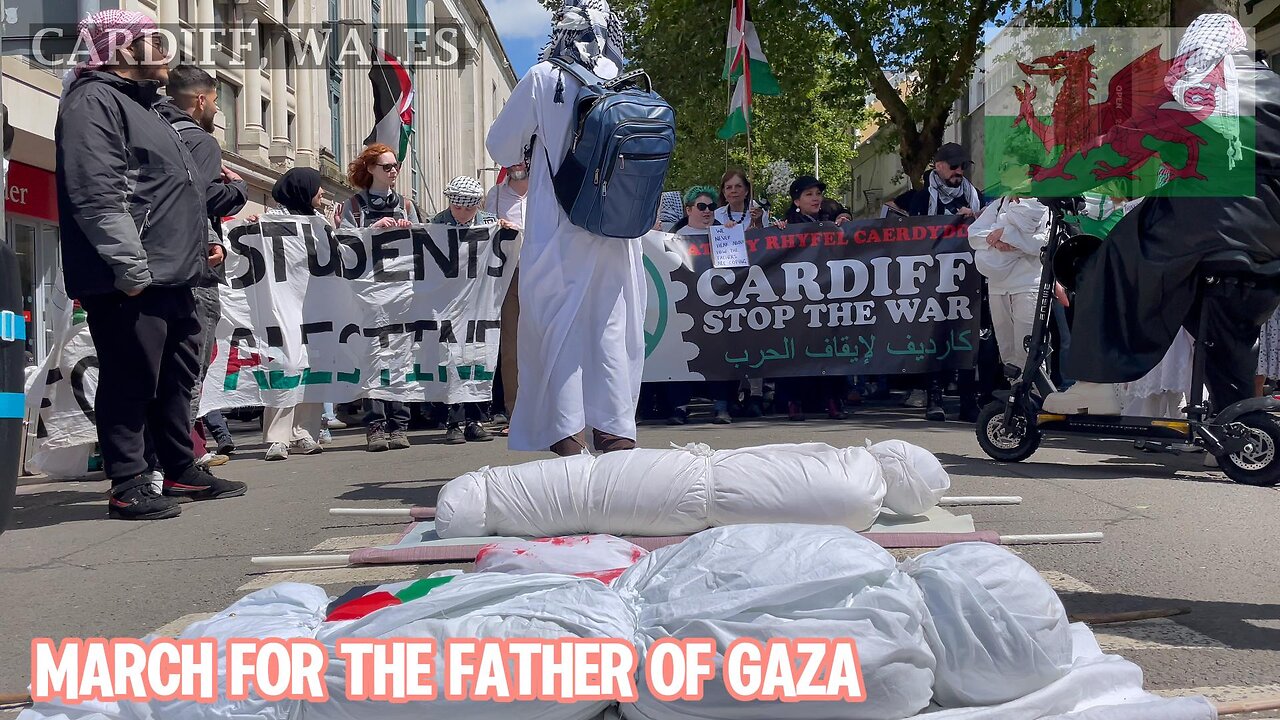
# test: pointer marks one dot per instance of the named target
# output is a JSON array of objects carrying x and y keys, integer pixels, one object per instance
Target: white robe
[{"x": 580, "y": 338}]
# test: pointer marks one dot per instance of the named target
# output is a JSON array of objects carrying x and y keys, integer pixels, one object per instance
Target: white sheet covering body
[
  {"x": 686, "y": 490},
  {"x": 582, "y": 297},
  {"x": 960, "y": 627}
]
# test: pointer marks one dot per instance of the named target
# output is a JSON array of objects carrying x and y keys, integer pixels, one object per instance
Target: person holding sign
[
  {"x": 296, "y": 428},
  {"x": 700, "y": 209},
  {"x": 582, "y": 296},
  {"x": 378, "y": 205},
  {"x": 465, "y": 196}
]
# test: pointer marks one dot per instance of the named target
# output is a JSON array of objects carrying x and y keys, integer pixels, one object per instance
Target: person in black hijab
[
  {"x": 299, "y": 191},
  {"x": 296, "y": 429}
]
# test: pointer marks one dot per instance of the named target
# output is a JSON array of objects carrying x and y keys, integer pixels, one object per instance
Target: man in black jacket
[
  {"x": 134, "y": 242},
  {"x": 193, "y": 105}
]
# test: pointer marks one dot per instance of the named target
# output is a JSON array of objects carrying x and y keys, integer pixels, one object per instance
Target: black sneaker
[
  {"x": 138, "y": 499},
  {"x": 226, "y": 447},
  {"x": 476, "y": 433},
  {"x": 198, "y": 484},
  {"x": 454, "y": 436},
  {"x": 934, "y": 411}
]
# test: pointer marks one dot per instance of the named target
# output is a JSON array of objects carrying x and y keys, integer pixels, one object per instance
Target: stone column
[
  {"x": 280, "y": 145},
  {"x": 253, "y": 140}
]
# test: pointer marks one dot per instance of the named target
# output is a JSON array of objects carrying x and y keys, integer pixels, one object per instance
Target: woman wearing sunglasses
[
  {"x": 378, "y": 205},
  {"x": 700, "y": 203}
]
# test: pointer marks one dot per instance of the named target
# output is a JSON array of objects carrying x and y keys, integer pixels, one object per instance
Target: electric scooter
[{"x": 1244, "y": 437}]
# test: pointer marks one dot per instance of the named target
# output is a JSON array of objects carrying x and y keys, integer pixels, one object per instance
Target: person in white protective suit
[{"x": 582, "y": 297}]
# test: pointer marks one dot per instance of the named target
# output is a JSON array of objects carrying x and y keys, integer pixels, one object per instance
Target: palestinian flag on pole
[
  {"x": 1123, "y": 112},
  {"x": 392, "y": 103},
  {"x": 360, "y": 601},
  {"x": 739, "y": 120},
  {"x": 743, "y": 56}
]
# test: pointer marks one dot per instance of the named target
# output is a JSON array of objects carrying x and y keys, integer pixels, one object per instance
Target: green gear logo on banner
[{"x": 653, "y": 338}]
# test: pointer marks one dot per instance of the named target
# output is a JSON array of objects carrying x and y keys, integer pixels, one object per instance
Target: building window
[
  {"x": 224, "y": 18},
  {"x": 291, "y": 126},
  {"x": 185, "y": 11},
  {"x": 376, "y": 12},
  {"x": 266, "y": 117},
  {"x": 290, "y": 65},
  {"x": 335, "y": 126},
  {"x": 229, "y": 105},
  {"x": 287, "y": 11}
]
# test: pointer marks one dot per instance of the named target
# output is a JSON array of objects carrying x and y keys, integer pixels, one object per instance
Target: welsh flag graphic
[
  {"x": 1118, "y": 111},
  {"x": 392, "y": 103},
  {"x": 359, "y": 602},
  {"x": 743, "y": 55}
]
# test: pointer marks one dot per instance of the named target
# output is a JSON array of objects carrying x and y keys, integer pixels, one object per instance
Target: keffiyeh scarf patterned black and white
[
  {"x": 1210, "y": 41},
  {"x": 940, "y": 194},
  {"x": 588, "y": 33},
  {"x": 464, "y": 191}
]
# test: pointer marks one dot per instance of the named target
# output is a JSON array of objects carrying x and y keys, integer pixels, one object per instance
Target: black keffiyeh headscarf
[{"x": 588, "y": 33}]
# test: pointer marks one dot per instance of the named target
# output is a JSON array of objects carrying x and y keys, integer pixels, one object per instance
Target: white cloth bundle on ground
[
  {"x": 685, "y": 490},
  {"x": 968, "y": 632},
  {"x": 997, "y": 628},
  {"x": 784, "y": 581}
]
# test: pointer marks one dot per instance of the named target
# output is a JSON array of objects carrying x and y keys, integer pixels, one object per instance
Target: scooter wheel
[
  {"x": 1259, "y": 464},
  {"x": 1015, "y": 443}
]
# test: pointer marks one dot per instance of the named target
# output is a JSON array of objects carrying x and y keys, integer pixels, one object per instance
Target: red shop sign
[{"x": 30, "y": 191}]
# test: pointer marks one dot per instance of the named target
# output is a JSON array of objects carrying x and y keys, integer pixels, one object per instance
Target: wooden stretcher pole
[
  {"x": 291, "y": 562},
  {"x": 1248, "y": 706},
  {"x": 372, "y": 512},
  {"x": 980, "y": 500},
  {"x": 1123, "y": 617},
  {"x": 1051, "y": 539}
]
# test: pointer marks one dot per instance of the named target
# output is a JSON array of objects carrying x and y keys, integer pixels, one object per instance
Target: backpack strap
[{"x": 185, "y": 124}]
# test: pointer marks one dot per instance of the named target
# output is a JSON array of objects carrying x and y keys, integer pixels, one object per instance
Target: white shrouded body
[{"x": 684, "y": 490}]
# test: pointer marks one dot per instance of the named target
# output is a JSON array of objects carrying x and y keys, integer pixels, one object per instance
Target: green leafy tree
[{"x": 681, "y": 45}]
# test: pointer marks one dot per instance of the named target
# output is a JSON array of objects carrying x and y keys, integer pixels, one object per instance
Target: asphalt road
[{"x": 1176, "y": 535}]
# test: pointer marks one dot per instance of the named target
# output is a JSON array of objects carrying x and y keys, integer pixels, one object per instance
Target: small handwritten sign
[{"x": 729, "y": 246}]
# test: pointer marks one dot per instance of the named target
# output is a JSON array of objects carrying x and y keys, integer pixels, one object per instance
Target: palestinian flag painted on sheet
[
  {"x": 739, "y": 120},
  {"x": 1115, "y": 111},
  {"x": 743, "y": 56},
  {"x": 361, "y": 601},
  {"x": 392, "y": 103}
]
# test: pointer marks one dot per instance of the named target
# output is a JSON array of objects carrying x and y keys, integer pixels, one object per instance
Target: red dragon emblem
[{"x": 1138, "y": 106}]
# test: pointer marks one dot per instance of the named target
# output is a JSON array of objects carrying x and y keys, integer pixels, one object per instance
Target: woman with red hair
[{"x": 376, "y": 204}]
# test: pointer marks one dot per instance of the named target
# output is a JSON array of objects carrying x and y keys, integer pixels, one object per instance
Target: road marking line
[
  {"x": 356, "y": 542},
  {"x": 175, "y": 627},
  {"x": 1225, "y": 693},
  {"x": 335, "y": 576},
  {"x": 1063, "y": 583},
  {"x": 1159, "y": 634}
]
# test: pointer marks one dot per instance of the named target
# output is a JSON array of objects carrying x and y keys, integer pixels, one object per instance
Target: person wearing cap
[
  {"x": 947, "y": 189},
  {"x": 465, "y": 196},
  {"x": 809, "y": 204},
  {"x": 134, "y": 243}
]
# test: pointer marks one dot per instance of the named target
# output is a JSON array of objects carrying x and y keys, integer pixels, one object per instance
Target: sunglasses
[
  {"x": 389, "y": 167},
  {"x": 705, "y": 207}
]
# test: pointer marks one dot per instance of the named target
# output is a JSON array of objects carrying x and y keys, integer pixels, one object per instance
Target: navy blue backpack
[{"x": 611, "y": 180}]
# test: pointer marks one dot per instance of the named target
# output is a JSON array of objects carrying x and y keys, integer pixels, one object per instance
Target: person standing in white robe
[{"x": 582, "y": 297}]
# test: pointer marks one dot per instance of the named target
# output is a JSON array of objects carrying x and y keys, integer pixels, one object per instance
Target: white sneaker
[
  {"x": 209, "y": 460},
  {"x": 326, "y": 437},
  {"x": 306, "y": 446},
  {"x": 916, "y": 399},
  {"x": 277, "y": 451},
  {"x": 1085, "y": 399}
]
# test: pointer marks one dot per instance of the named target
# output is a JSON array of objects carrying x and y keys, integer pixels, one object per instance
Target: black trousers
[
  {"x": 1235, "y": 315},
  {"x": 147, "y": 366},
  {"x": 392, "y": 414}
]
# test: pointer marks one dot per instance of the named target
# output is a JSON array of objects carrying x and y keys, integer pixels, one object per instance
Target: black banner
[{"x": 869, "y": 297}]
